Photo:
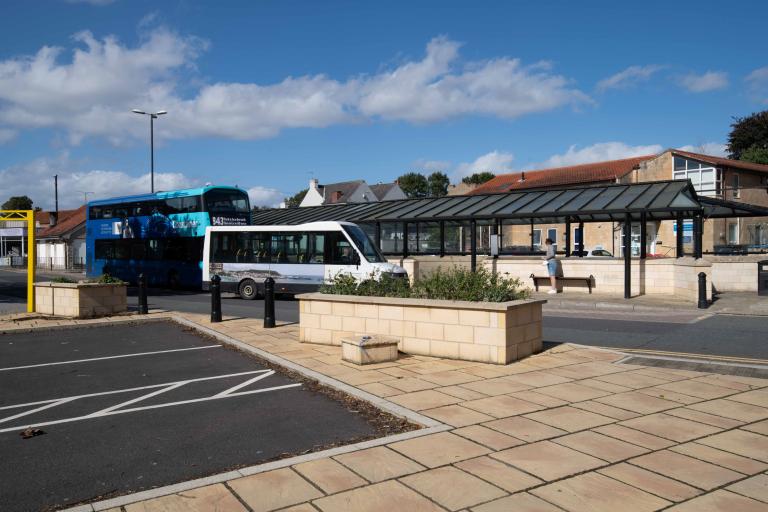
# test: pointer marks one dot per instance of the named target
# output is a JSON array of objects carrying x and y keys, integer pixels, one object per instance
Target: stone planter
[
  {"x": 80, "y": 300},
  {"x": 369, "y": 349},
  {"x": 488, "y": 332}
]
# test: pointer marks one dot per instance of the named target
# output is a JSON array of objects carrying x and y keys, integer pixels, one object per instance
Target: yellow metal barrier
[{"x": 29, "y": 217}]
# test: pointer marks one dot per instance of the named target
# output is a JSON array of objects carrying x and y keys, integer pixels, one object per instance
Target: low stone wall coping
[
  {"x": 426, "y": 303},
  {"x": 51, "y": 284}
]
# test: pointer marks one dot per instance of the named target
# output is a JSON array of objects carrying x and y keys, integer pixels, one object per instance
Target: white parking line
[
  {"x": 117, "y": 409},
  {"x": 128, "y": 390},
  {"x": 106, "y": 357}
]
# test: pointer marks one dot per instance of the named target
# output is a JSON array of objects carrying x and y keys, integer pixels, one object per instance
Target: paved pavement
[
  {"x": 568, "y": 429},
  {"x": 126, "y": 408}
]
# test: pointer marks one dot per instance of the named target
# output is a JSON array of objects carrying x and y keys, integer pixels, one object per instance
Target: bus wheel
[
  {"x": 248, "y": 289},
  {"x": 173, "y": 280}
]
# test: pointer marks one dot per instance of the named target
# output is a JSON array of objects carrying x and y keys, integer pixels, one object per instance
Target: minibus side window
[{"x": 341, "y": 250}]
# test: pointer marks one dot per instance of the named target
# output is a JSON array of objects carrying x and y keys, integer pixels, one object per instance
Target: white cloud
[
  {"x": 596, "y": 153},
  {"x": 264, "y": 196},
  {"x": 7, "y": 135},
  {"x": 431, "y": 165},
  {"x": 497, "y": 162},
  {"x": 91, "y": 94},
  {"x": 757, "y": 82},
  {"x": 707, "y": 148},
  {"x": 431, "y": 89},
  {"x": 709, "y": 81},
  {"x": 628, "y": 77},
  {"x": 35, "y": 179}
]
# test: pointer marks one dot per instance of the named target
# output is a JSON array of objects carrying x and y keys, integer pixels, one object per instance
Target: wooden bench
[{"x": 587, "y": 280}]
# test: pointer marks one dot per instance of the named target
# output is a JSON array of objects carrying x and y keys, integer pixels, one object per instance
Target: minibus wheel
[{"x": 248, "y": 289}]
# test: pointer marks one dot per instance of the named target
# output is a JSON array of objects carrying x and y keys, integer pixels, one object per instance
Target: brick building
[{"x": 712, "y": 176}]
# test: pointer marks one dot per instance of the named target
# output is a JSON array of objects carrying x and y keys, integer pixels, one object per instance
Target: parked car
[{"x": 593, "y": 253}]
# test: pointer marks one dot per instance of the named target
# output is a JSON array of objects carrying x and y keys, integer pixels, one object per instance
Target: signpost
[{"x": 29, "y": 217}]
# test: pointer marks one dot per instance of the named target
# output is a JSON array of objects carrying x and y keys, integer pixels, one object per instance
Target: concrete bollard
[
  {"x": 269, "y": 303},
  {"x": 703, "y": 302},
  {"x": 215, "y": 298}
]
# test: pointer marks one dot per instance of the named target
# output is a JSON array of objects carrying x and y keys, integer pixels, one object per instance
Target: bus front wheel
[{"x": 248, "y": 289}]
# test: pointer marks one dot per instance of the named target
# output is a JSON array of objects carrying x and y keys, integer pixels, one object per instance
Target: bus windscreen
[{"x": 364, "y": 244}]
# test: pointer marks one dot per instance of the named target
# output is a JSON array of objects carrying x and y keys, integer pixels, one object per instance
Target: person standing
[{"x": 551, "y": 261}]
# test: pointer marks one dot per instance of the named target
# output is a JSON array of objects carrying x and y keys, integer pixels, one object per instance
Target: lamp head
[{"x": 137, "y": 111}]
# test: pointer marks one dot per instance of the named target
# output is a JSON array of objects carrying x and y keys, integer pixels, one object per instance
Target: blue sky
[{"x": 267, "y": 94}]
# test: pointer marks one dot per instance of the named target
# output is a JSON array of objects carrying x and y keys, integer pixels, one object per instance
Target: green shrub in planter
[
  {"x": 453, "y": 284},
  {"x": 462, "y": 284}
]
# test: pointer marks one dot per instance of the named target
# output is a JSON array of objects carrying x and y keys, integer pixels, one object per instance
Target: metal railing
[{"x": 60, "y": 263}]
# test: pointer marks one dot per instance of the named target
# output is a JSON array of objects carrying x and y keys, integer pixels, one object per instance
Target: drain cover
[{"x": 742, "y": 370}]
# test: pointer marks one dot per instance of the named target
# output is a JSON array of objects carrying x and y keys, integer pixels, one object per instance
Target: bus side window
[
  {"x": 317, "y": 248},
  {"x": 341, "y": 251}
]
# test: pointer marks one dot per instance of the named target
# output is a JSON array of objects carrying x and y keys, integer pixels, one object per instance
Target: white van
[{"x": 299, "y": 258}]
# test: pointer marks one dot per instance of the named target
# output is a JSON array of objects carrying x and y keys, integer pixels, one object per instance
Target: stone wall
[
  {"x": 486, "y": 332},
  {"x": 667, "y": 276},
  {"x": 735, "y": 273},
  {"x": 80, "y": 300}
]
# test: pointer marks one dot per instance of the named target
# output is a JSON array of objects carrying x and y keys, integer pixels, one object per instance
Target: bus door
[{"x": 341, "y": 256}]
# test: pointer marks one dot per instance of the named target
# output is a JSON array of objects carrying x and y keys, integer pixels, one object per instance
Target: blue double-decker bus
[{"x": 160, "y": 234}]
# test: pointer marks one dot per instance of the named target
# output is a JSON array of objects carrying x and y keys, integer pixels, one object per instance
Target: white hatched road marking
[
  {"x": 106, "y": 357},
  {"x": 118, "y": 409}
]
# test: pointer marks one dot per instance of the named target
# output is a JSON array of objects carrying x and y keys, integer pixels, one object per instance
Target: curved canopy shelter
[
  {"x": 662, "y": 200},
  {"x": 625, "y": 203}
]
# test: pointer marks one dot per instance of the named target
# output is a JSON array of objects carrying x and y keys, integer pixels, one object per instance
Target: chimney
[
  {"x": 53, "y": 217},
  {"x": 522, "y": 176},
  {"x": 336, "y": 196},
  {"x": 313, "y": 183}
]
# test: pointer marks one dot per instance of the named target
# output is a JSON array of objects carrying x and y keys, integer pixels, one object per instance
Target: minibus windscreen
[{"x": 364, "y": 244}]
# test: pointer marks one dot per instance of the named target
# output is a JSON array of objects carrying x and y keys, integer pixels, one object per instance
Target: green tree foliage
[
  {"x": 755, "y": 154},
  {"x": 295, "y": 200},
  {"x": 414, "y": 184},
  {"x": 748, "y": 139},
  {"x": 18, "y": 203},
  {"x": 478, "y": 178},
  {"x": 438, "y": 184}
]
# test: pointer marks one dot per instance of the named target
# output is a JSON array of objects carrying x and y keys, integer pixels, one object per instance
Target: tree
[
  {"x": 438, "y": 184},
  {"x": 18, "y": 203},
  {"x": 295, "y": 200},
  {"x": 748, "y": 139},
  {"x": 755, "y": 154},
  {"x": 413, "y": 184},
  {"x": 478, "y": 178}
]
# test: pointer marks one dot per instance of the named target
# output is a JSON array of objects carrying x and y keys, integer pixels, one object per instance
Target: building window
[
  {"x": 704, "y": 177},
  {"x": 733, "y": 233},
  {"x": 391, "y": 237},
  {"x": 552, "y": 235},
  {"x": 735, "y": 183},
  {"x": 537, "y": 238}
]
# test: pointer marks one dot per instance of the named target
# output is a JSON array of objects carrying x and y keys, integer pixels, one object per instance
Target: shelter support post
[
  {"x": 442, "y": 238},
  {"x": 473, "y": 245},
  {"x": 698, "y": 235},
  {"x": 679, "y": 240},
  {"x": 532, "y": 246},
  {"x": 377, "y": 234},
  {"x": 581, "y": 239},
  {"x": 643, "y": 236},
  {"x": 627, "y": 256},
  {"x": 567, "y": 237},
  {"x": 405, "y": 239}
]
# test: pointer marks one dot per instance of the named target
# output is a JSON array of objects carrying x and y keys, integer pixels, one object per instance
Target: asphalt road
[
  {"x": 182, "y": 424},
  {"x": 678, "y": 331}
]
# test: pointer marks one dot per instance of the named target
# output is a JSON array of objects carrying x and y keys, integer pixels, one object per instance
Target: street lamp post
[{"x": 152, "y": 117}]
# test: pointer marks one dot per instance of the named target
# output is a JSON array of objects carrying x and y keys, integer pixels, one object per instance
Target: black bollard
[
  {"x": 703, "y": 303},
  {"x": 215, "y": 298},
  {"x": 143, "y": 306},
  {"x": 269, "y": 303}
]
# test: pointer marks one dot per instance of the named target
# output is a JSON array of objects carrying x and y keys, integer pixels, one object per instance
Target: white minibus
[{"x": 299, "y": 258}]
